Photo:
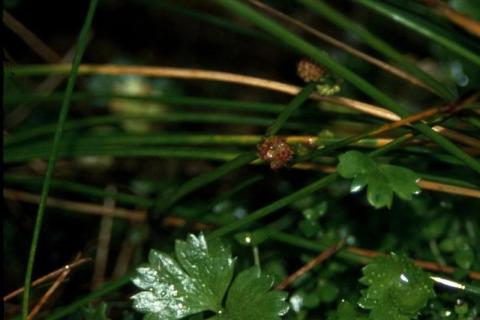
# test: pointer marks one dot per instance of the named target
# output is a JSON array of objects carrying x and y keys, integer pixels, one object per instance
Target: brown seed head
[
  {"x": 276, "y": 151},
  {"x": 309, "y": 70}
]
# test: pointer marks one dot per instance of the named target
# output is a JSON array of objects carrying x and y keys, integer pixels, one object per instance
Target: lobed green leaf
[
  {"x": 383, "y": 180},
  {"x": 397, "y": 289}
]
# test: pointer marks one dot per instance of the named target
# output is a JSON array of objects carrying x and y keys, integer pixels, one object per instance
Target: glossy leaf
[
  {"x": 397, "y": 289},
  {"x": 383, "y": 180},
  {"x": 250, "y": 298},
  {"x": 196, "y": 283}
]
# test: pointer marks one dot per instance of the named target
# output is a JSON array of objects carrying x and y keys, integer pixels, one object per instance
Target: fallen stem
[
  {"x": 47, "y": 277},
  {"x": 50, "y": 292},
  {"x": 327, "y": 253}
]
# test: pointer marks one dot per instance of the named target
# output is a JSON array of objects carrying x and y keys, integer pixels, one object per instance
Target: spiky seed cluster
[
  {"x": 309, "y": 71},
  {"x": 276, "y": 151}
]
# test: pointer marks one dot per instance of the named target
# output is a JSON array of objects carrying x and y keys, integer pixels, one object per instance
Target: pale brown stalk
[
  {"x": 447, "y": 188},
  {"x": 461, "y": 20},
  {"x": 133, "y": 215},
  {"x": 104, "y": 236},
  {"x": 310, "y": 265},
  {"x": 48, "y": 277},
  {"x": 43, "y": 300},
  {"x": 124, "y": 256},
  {"x": 34, "y": 42}
]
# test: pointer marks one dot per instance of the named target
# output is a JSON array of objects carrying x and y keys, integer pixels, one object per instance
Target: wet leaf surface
[
  {"x": 397, "y": 289},
  {"x": 383, "y": 180},
  {"x": 197, "y": 281}
]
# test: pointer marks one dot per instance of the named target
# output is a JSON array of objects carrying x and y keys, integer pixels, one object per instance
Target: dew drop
[{"x": 403, "y": 278}]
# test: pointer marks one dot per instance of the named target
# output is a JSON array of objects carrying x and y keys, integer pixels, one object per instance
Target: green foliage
[
  {"x": 197, "y": 281},
  {"x": 383, "y": 180},
  {"x": 462, "y": 251},
  {"x": 346, "y": 311},
  {"x": 183, "y": 152},
  {"x": 98, "y": 312},
  {"x": 250, "y": 297},
  {"x": 397, "y": 289}
]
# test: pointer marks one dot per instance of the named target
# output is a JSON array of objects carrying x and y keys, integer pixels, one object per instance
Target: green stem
[
  {"x": 82, "y": 41},
  {"x": 174, "y": 117},
  {"x": 273, "y": 207},
  {"x": 292, "y": 106},
  {"x": 78, "y": 188},
  {"x": 106, "y": 289},
  {"x": 312, "y": 245},
  {"x": 256, "y": 257},
  {"x": 158, "y": 98},
  {"x": 168, "y": 200},
  {"x": 17, "y": 156},
  {"x": 420, "y": 26}
]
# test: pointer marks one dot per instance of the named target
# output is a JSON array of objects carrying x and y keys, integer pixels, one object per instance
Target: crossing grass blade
[
  {"x": 82, "y": 41},
  {"x": 424, "y": 28}
]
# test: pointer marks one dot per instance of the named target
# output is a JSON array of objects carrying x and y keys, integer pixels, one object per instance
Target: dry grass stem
[
  {"x": 310, "y": 265},
  {"x": 104, "y": 236},
  {"x": 45, "y": 278},
  {"x": 446, "y": 188},
  {"x": 133, "y": 215},
  {"x": 43, "y": 300},
  {"x": 461, "y": 20},
  {"x": 34, "y": 42}
]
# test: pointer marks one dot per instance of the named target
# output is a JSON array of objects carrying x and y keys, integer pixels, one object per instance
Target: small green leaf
[
  {"x": 402, "y": 180},
  {"x": 383, "y": 180},
  {"x": 197, "y": 283},
  {"x": 464, "y": 255},
  {"x": 354, "y": 163},
  {"x": 435, "y": 227},
  {"x": 327, "y": 291},
  {"x": 397, "y": 289},
  {"x": 463, "y": 252},
  {"x": 250, "y": 298},
  {"x": 212, "y": 265},
  {"x": 346, "y": 311}
]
